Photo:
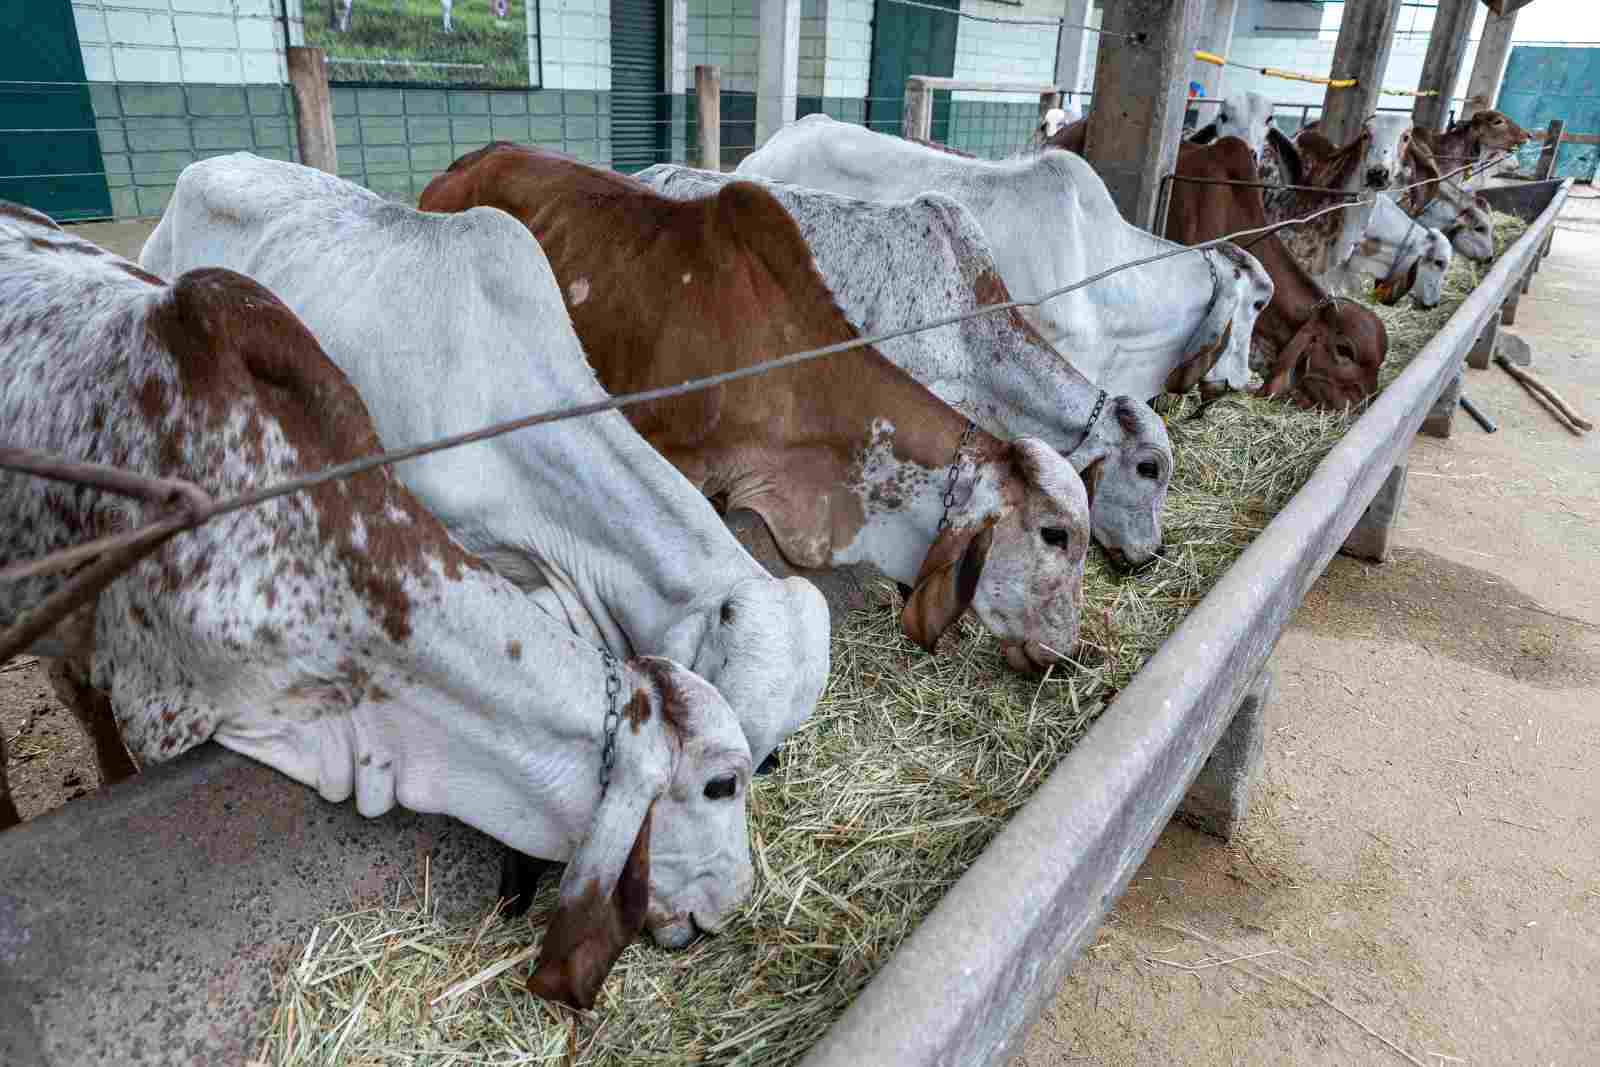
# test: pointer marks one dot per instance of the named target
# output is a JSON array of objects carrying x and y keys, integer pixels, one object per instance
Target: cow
[
  {"x": 340, "y": 635},
  {"x": 846, "y": 461},
  {"x": 502, "y": 9},
  {"x": 1054, "y": 119},
  {"x": 1463, "y": 217},
  {"x": 446, "y": 324},
  {"x": 1403, "y": 256},
  {"x": 892, "y": 265},
  {"x": 1474, "y": 140},
  {"x": 1051, "y": 222},
  {"x": 1320, "y": 350},
  {"x": 1247, "y": 116}
]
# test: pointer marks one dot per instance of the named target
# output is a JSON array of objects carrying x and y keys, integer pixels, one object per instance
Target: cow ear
[
  {"x": 946, "y": 583},
  {"x": 1204, "y": 135},
  {"x": 1282, "y": 376},
  {"x": 1397, "y": 283},
  {"x": 1198, "y": 364},
  {"x": 605, "y": 893},
  {"x": 1293, "y": 167},
  {"x": 1426, "y": 169}
]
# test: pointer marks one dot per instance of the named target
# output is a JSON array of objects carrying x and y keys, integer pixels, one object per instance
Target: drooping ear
[
  {"x": 1204, "y": 135},
  {"x": 946, "y": 583},
  {"x": 1091, "y": 478},
  {"x": 605, "y": 894},
  {"x": 1293, "y": 166},
  {"x": 1425, "y": 168},
  {"x": 1397, "y": 283},
  {"x": 1197, "y": 365},
  {"x": 1282, "y": 372}
]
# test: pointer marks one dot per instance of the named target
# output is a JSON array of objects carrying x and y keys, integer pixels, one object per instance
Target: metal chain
[
  {"x": 955, "y": 474},
  {"x": 613, "y": 719},
  {"x": 1094, "y": 417}
]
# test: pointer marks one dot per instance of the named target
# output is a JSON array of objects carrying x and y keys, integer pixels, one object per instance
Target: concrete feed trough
[{"x": 137, "y": 925}]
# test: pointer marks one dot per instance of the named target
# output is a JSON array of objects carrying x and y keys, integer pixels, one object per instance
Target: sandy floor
[{"x": 1425, "y": 853}]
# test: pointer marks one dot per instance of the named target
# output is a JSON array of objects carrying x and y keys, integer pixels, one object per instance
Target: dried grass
[{"x": 894, "y": 786}]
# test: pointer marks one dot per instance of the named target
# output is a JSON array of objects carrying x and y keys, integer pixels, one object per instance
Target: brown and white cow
[
  {"x": 1322, "y": 351},
  {"x": 340, "y": 635},
  {"x": 845, "y": 459},
  {"x": 1475, "y": 140}
]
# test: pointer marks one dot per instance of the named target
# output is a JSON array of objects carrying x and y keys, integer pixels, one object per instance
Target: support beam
[
  {"x": 1441, "y": 68},
  {"x": 313, "y": 108},
  {"x": 1362, "y": 52},
  {"x": 1489, "y": 66},
  {"x": 1441, "y": 417},
  {"x": 916, "y": 115},
  {"x": 1216, "y": 37},
  {"x": 1219, "y": 800},
  {"x": 1369, "y": 540},
  {"x": 777, "y": 67},
  {"x": 1482, "y": 351},
  {"x": 708, "y": 116},
  {"x": 1140, "y": 89},
  {"x": 1551, "y": 151},
  {"x": 1071, "y": 45}
]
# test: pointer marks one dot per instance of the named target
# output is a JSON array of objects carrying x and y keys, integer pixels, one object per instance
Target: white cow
[
  {"x": 890, "y": 265},
  {"x": 1463, "y": 217},
  {"x": 1055, "y": 119},
  {"x": 340, "y": 635},
  {"x": 450, "y": 322},
  {"x": 1051, "y": 222},
  {"x": 1247, "y": 116},
  {"x": 1403, "y": 255}
]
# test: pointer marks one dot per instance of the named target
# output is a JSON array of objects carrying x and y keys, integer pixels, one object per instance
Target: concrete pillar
[
  {"x": 1483, "y": 351},
  {"x": 1370, "y": 538},
  {"x": 1441, "y": 417},
  {"x": 1071, "y": 45},
  {"x": 1490, "y": 64},
  {"x": 777, "y": 67},
  {"x": 1140, "y": 89},
  {"x": 1362, "y": 52},
  {"x": 1447, "y": 47},
  {"x": 1216, "y": 36},
  {"x": 1219, "y": 800}
]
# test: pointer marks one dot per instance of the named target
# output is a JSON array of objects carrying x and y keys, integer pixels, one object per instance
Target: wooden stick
[{"x": 1540, "y": 388}]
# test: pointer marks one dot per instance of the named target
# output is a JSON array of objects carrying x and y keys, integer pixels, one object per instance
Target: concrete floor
[{"x": 1421, "y": 873}]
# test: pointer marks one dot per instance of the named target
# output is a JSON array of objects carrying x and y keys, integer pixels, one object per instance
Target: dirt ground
[{"x": 1420, "y": 879}]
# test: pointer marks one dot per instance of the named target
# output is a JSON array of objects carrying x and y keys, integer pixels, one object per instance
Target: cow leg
[
  {"x": 9, "y": 815},
  {"x": 519, "y": 880}
]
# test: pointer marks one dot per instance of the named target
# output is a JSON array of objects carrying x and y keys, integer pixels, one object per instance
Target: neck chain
[
  {"x": 1094, "y": 417},
  {"x": 955, "y": 473},
  {"x": 613, "y": 719}
]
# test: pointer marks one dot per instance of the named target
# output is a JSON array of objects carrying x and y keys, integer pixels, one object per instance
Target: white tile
[
  {"x": 205, "y": 67},
  {"x": 97, "y": 64},
  {"x": 204, "y": 7},
  {"x": 255, "y": 7},
  {"x": 204, "y": 31},
  {"x": 91, "y": 25},
  {"x": 138, "y": 27},
  {"x": 262, "y": 34},
  {"x": 147, "y": 64},
  {"x": 262, "y": 68}
]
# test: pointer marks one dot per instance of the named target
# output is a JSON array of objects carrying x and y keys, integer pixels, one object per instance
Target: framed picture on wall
[{"x": 427, "y": 42}]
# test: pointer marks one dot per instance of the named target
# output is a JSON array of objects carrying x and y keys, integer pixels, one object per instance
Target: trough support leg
[
  {"x": 1527, "y": 279},
  {"x": 1483, "y": 352},
  {"x": 1508, "y": 310},
  {"x": 1219, "y": 800},
  {"x": 1440, "y": 417},
  {"x": 1370, "y": 538}
]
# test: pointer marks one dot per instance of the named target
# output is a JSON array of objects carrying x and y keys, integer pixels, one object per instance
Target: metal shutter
[{"x": 638, "y": 135}]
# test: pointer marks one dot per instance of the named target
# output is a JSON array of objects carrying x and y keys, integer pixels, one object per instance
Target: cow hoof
[
  {"x": 519, "y": 881},
  {"x": 770, "y": 764}
]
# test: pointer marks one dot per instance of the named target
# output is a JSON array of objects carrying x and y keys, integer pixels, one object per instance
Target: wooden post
[
  {"x": 916, "y": 121},
  {"x": 708, "y": 115},
  {"x": 1441, "y": 68},
  {"x": 1362, "y": 52},
  {"x": 1140, "y": 91},
  {"x": 1551, "y": 150},
  {"x": 1489, "y": 66},
  {"x": 1482, "y": 350},
  {"x": 313, "y": 107}
]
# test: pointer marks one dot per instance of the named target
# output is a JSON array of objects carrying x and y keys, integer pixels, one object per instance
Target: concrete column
[
  {"x": 778, "y": 67},
  {"x": 1441, "y": 417},
  {"x": 1370, "y": 538},
  {"x": 1490, "y": 64},
  {"x": 1216, "y": 36},
  {"x": 1483, "y": 350},
  {"x": 1140, "y": 88},
  {"x": 675, "y": 47},
  {"x": 1362, "y": 52},
  {"x": 1071, "y": 45},
  {"x": 1447, "y": 47},
  {"x": 1219, "y": 800}
]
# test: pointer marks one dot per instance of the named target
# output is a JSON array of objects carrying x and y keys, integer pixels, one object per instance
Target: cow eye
[
  {"x": 722, "y": 788},
  {"x": 1222, "y": 117},
  {"x": 1345, "y": 351},
  {"x": 1055, "y": 536},
  {"x": 1149, "y": 469}
]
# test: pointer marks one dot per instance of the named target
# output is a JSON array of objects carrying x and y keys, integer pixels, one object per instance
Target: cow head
[
  {"x": 1494, "y": 132},
  {"x": 1218, "y": 351},
  {"x": 1420, "y": 273},
  {"x": 1126, "y": 465},
  {"x": 668, "y": 848},
  {"x": 1333, "y": 360},
  {"x": 1055, "y": 119},
  {"x": 1014, "y": 553},
  {"x": 1388, "y": 151},
  {"x": 1472, "y": 232},
  {"x": 1246, "y": 116}
]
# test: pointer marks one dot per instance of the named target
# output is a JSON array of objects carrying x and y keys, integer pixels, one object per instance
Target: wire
[{"x": 1139, "y": 37}]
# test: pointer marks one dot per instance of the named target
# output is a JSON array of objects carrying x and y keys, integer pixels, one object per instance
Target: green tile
[
  {"x": 124, "y": 203},
  {"x": 585, "y": 151},
  {"x": 470, "y": 133},
  {"x": 468, "y": 103},
  {"x": 119, "y": 181},
  {"x": 545, "y": 102},
  {"x": 117, "y": 163},
  {"x": 346, "y": 131},
  {"x": 229, "y": 135},
  {"x": 103, "y": 98},
  {"x": 510, "y": 128},
  {"x": 546, "y": 130},
  {"x": 217, "y": 100},
  {"x": 395, "y": 186},
  {"x": 344, "y": 102},
  {"x": 428, "y": 131},
  {"x": 383, "y": 131},
  {"x": 271, "y": 133},
  {"x": 350, "y": 167},
  {"x": 154, "y": 168},
  {"x": 112, "y": 139},
  {"x": 152, "y": 99},
  {"x": 380, "y": 101},
  {"x": 153, "y": 199},
  {"x": 282, "y": 153},
  {"x": 582, "y": 129},
  {"x": 431, "y": 157},
  {"x": 427, "y": 102},
  {"x": 578, "y": 103},
  {"x": 164, "y": 137},
  {"x": 386, "y": 158},
  {"x": 508, "y": 103},
  {"x": 265, "y": 100}
]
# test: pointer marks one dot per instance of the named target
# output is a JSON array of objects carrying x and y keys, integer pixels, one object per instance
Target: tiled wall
[
  {"x": 575, "y": 38},
  {"x": 987, "y": 51},
  {"x": 149, "y": 133},
  {"x": 992, "y": 129},
  {"x": 231, "y": 42},
  {"x": 835, "y": 48},
  {"x": 724, "y": 33}
]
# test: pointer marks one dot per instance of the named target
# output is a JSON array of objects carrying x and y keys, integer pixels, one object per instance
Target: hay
[{"x": 909, "y": 766}]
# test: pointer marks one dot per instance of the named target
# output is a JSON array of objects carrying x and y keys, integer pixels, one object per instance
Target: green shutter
[
  {"x": 907, "y": 41},
  {"x": 638, "y": 106},
  {"x": 54, "y": 165}
]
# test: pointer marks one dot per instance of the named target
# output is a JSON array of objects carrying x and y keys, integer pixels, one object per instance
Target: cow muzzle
[
  {"x": 1028, "y": 657},
  {"x": 1378, "y": 178}
]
